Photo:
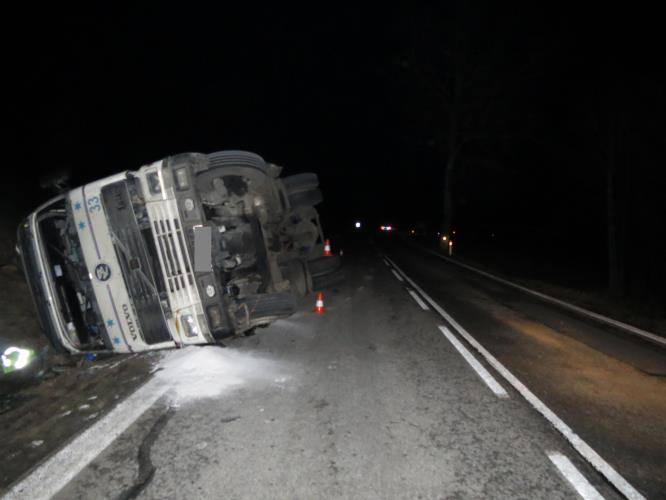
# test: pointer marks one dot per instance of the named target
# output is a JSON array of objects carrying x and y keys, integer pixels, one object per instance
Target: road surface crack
[
  {"x": 226, "y": 420},
  {"x": 146, "y": 467}
]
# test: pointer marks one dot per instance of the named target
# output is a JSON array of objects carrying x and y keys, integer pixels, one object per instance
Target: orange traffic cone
[
  {"x": 327, "y": 248},
  {"x": 319, "y": 304}
]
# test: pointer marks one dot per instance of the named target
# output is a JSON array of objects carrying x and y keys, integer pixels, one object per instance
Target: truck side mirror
[{"x": 57, "y": 181}]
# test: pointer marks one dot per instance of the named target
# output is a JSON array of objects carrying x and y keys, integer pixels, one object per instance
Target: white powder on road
[{"x": 208, "y": 371}]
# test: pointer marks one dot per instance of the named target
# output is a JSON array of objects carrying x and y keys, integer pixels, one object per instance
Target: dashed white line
[
  {"x": 397, "y": 275},
  {"x": 574, "y": 477},
  {"x": 579, "y": 445},
  {"x": 52, "y": 475},
  {"x": 489, "y": 380},
  {"x": 418, "y": 300}
]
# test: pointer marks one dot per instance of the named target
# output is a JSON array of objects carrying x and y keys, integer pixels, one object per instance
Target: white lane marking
[
  {"x": 418, "y": 300},
  {"x": 585, "y": 312},
  {"x": 397, "y": 275},
  {"x": 52, "y": 475},
  {"x": 492, "y": 384},
  {"x": 575, "y": 478},
  {"x": 579, "y": 445},
  {"x": 386, "y": 262}
]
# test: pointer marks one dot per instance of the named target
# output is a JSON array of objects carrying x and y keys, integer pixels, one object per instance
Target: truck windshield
[{"x": 70, "y": 278}]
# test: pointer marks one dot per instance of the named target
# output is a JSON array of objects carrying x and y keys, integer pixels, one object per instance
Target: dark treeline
[{"x": 548, "y": 132}]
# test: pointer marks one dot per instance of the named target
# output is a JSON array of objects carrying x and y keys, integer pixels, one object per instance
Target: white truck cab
[{"x": 121, "y": 290}]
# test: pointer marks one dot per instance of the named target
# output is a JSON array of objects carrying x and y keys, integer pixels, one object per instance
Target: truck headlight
[
  {"x": 189, "y": 325},
  {"x": 180, "y": 177}
]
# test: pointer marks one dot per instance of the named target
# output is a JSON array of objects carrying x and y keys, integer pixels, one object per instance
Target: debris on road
[{"x": 39, "y": 414}]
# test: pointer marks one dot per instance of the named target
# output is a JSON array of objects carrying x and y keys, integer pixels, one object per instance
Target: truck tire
[
  {"x": 305, "y": 198},
  {"x": 300, "y": 182},
  {"x": 324, "y": 265},
  {"x": 236, "y": 159}
]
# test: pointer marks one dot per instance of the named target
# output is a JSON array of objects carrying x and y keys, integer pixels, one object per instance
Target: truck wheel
[
  {"x": 300, "y": 182},
  {"x": 305, "y": 198},
  {"x": 236, "y": 159}
]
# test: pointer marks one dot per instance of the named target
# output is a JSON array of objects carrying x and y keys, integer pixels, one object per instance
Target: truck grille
[
  {"x": 172, "y": 253},
  {"x": 135, "y": 261}
]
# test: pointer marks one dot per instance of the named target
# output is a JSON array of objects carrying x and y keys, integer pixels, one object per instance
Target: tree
[
  {"x": 608, "y": 122},
  {"x": 613, "y": 126},
  {"x": 455, "y": 60}
]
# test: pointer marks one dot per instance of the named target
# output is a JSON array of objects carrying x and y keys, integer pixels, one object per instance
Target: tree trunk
[
  {"x": 614, "y": 272},
  {"x": 455, "y": 143},
  {"x": 447, "y": 221}
]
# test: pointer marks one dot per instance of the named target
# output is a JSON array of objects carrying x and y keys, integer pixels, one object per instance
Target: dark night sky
[{"x": 106, "y": 89}]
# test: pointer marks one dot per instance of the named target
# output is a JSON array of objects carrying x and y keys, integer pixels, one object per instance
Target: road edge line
[
  {"x": 398, "y": 277},
  {"x": 585, "y": 450},
  {"x": 573, "y": 476},
  {"x": 59, "y": 469},
  {"x": 489, "y": 380},
  {"x": 633, "y": 330},
  {"x": 418, "y": 300}
]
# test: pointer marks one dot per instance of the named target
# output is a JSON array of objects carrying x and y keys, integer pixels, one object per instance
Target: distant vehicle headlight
[
  {"x": 189, "y": 325},
  {"x": 357, "y": 225},
  {"x": 181, "y": 179}
]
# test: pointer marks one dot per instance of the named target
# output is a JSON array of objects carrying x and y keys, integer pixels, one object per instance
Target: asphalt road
[
  {"x": 373, "y": 400},
  {"x": 609, "y": 386}
]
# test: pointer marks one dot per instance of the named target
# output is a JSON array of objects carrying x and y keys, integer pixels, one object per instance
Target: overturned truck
[{"x": 190, "y": 249}]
